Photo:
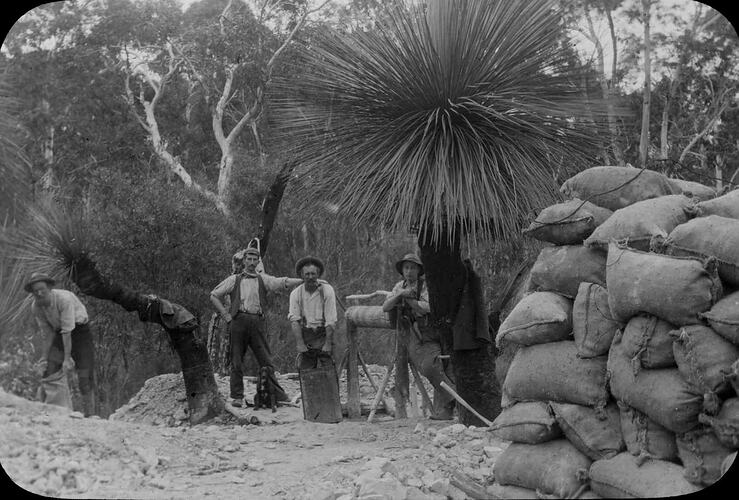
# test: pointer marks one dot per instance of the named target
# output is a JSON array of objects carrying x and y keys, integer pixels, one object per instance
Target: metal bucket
[{"x": 319, "y": 388}]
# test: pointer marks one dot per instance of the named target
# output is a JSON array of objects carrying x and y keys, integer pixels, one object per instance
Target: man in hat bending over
[
  {"x": 63, "y": 319},
  {"x": 312, "y": 314},
  {"x": 410, "y": 300},
  {"x": 248, "y": 291}
]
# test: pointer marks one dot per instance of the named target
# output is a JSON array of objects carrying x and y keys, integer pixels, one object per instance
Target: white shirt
[
  {"x": 313, "y": 308},
  {"x": 64, "y": 312},
  {"x": 249, "y": 289}
]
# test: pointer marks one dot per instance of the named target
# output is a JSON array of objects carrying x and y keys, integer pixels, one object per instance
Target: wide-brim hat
[
  {"x": 37, "y": 277},
  {"x": 309, "y": 260},
  {"x": 409, "y": 257}
]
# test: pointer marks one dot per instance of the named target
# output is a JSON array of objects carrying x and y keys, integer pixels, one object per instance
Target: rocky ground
[{"x": 147, "y": 450}]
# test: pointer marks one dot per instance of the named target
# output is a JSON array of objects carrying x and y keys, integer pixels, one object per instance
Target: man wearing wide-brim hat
[
  {"x": 248, "y": 290},
  {"x": 63, "y": 319},
  {"x": 409, "y": 303},
  {"x": 312, "y": 314}
]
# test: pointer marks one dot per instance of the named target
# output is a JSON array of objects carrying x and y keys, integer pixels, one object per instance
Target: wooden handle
[{"x": 465, "y": 404}]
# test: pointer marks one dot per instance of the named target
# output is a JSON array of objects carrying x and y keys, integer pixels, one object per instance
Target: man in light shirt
[
  {"x": 312, "y": 315},
  {"x": 63, "y": 320},
  {"x": 248, "y": 291}
]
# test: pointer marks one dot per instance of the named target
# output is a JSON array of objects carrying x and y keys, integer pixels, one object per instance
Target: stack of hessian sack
[{"x": 625, "y": 382}]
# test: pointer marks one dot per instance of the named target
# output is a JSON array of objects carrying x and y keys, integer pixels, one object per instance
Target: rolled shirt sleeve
[
  {"x": 396, "y": 289},
  {"x": 224, "y": 287},
  {"x": 66, "y": 313},
  {"x": 274, "y": 284},
  {"x": 294, "y": 313}
]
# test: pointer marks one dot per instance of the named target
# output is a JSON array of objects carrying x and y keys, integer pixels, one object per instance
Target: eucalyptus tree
[{"x": 450, "y": 118}]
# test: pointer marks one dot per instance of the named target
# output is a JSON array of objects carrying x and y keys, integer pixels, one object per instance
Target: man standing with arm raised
[{"x": 248, "y": 292}]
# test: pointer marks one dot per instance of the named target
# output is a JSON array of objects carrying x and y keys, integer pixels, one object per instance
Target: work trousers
[
  {"x": 424, "y": 354},
  {"x": 83, "y": 354},
  {"x": 247, "y": 330},
  {"x": 314, "y": 339}
]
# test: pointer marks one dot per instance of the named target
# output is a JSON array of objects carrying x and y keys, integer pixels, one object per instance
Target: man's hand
[
  {"x": 326, "y": 347},
  {"x": 302, "y": 348},
  {"x": 68, "y": 364},
  {"x": 227, "y": 317},
  {"x": 40, "y": 367}
]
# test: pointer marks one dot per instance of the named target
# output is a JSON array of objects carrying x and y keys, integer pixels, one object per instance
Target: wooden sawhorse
[{"x": 374, "y": 317}]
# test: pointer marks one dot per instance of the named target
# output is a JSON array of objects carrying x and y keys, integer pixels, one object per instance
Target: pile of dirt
[{"x": 162, "y": 400}]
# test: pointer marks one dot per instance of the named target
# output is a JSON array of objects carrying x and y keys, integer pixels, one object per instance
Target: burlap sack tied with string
[
  {"x": 642, "y": 221},
  {"x": 614, "y": 187},
  {"x": 567, "y": 223},
  {"x": 676, "y": 289}
]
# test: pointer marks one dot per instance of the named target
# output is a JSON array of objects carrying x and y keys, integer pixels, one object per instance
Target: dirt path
[{"x": 48, "y": 451}]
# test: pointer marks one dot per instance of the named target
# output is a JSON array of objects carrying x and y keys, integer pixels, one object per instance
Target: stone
[
  {"x": 476, "y": 444},
  {"x": 414, "y": 482},
  {"x": 384, "y": 488},
  {"x": 377, "y": 463},
  {"x": 367, "y": 476},
  {"x": 456, "y": 428},
  {"x": 419, "y": 428},
  {"x": 255, "y": 464},
  {"x": 439, "y": 485},
  {"x": 492, "y": 451},
  {"x": 454, "y": 493}
]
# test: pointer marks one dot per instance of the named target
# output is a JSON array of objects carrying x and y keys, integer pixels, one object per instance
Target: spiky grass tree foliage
[
  {"x": 451, "y": 118},
  {"x": 54, "y": 242}
]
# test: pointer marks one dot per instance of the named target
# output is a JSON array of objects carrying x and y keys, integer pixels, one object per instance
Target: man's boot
[
  {"x": 443, "y": 409},
  {"x": 88, "y": 403}
]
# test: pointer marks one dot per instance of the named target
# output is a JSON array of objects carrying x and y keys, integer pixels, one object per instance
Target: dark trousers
[
  {"x": 313, "y": 358},
  {"x": 314, "y": 339},
  {"x": 424, "y": 354},
  {"x": 247, "y": 330},
  {"x": 83, "y": 354}
]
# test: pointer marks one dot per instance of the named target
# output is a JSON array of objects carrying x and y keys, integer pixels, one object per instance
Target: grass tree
[
  {"x": 56, "y": 243},
  {"x": 450, "y": 116}
]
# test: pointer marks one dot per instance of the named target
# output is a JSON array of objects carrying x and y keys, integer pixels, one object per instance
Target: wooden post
[
  {"x": 352, "y": 372},
  {"x": 400, "y": 394}
]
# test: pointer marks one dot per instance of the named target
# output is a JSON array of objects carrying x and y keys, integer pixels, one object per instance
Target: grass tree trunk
[
  {"x": 203, "y": 398},
  {"x": 474, "y": 370}
]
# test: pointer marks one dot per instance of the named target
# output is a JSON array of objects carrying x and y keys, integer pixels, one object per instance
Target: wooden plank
[
  {"x": 380, "y": 391},
  {"x": 352, "y": 372},
  {"x": 320, "y": 390}
]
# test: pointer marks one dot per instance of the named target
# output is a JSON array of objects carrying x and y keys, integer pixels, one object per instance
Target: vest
[{"x": 236, "y": 294}]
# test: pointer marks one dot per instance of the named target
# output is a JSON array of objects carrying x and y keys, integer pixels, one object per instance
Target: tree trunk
[
  {"x": 612, "y": 85},
  {"x": 271, "y": 203},
  {"x": 644, "y": 140},
  {"x": 474, "y": 370},
  {"x": 203, "y": 398}
]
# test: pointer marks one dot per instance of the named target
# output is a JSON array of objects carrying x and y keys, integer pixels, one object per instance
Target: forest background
[{"x": 150, "y": 121}]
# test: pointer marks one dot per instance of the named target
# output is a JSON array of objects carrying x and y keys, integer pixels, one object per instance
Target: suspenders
[{"x": 303, "y": 321}]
